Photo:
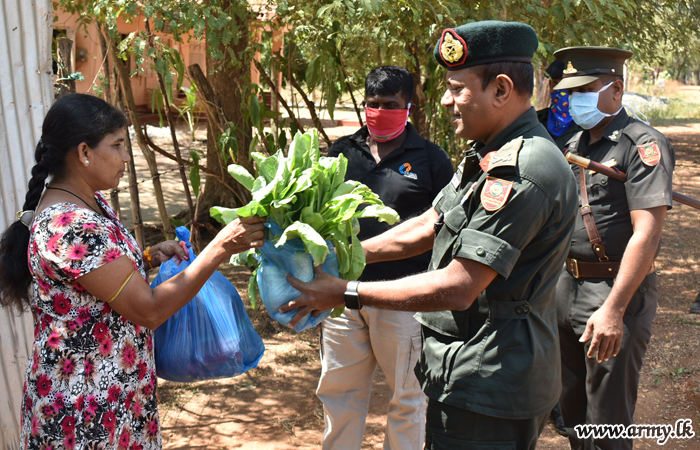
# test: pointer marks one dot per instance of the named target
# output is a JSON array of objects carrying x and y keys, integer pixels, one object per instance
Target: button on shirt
[
  {"x": 612, "y": 200},
  {"x": 500, "y": 357},
  {"x": 407, "y": 179}
]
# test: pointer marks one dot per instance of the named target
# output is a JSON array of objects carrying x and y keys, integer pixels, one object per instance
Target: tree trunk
[
  {"x": 419, "y": 119},
  {"x": 148, "y": 154},
  {"x": 173, "y": 135},
  {"x": 133, "y": 186},
  {"x": 230, "y": 86},
  {"x": 63, "y": 52},
  {"x": 106, "y": 88},
  {"x": 541, "y": 88}
]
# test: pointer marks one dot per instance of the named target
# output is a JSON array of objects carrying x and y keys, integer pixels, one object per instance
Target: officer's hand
[
  {"x": 605, "y": 327},
  {"x": 323, "y": 293}
]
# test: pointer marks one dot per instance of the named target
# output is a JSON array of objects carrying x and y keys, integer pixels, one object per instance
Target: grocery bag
[
  {"x": 275, "y": 264},
  {"x": 211, "y": 336}
]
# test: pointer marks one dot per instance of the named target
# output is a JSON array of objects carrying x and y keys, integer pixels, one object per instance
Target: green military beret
[
  {"x": 485, "y": 42},
  {"x": 586, "y": 64}
]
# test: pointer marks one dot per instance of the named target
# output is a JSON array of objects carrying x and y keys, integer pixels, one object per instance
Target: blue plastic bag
[
  {"x": 211, "y": 336},
  {"x": 274, "y": 289}
]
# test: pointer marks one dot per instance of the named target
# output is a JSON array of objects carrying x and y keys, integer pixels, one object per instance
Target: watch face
[
  {"x": 352, "y": 300},
  {"x": 351, "y": 297}
]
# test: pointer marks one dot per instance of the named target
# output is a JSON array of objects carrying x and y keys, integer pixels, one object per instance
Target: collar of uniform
[
  {"x": 413, "y": 140},
  {"x": 614, "y": 131},
  {"x": 519, "y": 127}
]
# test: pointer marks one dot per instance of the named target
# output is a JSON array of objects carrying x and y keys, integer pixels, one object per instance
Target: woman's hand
[
  {"x": 242, "y": 234},
  {"x": 163, "y": 251}
]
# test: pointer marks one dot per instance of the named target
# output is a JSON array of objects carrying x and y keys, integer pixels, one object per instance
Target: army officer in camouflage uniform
[
  {"x": 607, "y": 295},
  {"x": 499, "y": 233}
]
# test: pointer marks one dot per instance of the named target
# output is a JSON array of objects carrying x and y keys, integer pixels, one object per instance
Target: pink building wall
[{"x": 87, "y": 43}]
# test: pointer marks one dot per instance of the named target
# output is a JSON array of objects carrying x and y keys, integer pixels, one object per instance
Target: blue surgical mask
[{"x": 584, "y": 108}]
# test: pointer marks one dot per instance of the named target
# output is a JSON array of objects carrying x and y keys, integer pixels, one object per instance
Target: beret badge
[{"x": 453, "y": 49}]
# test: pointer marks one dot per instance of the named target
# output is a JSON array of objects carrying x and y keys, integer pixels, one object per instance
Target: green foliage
[
  {"x": 222, "y": 24},
  {"x": 678, "y": 50},
  {"x": 259, "y": 116},
  {"x": 229, "y": 143},
  {"x": 673, "y": 110},
  {"x": 307, "y": 197},
  {"x": 188, "y": 108},
  {"x": 75, "y": 76},
  {"x": 195, "y": 178},
  {"x": 367, "y": 33},
  {"x": 357, "y": 35}
]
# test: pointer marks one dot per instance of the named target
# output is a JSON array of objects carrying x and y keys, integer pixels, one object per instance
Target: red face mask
[{"x": 386, "y": 124}]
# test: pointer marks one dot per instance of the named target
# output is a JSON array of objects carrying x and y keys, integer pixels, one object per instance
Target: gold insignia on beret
[
  {"x": 570, "y": 68},
  {"x": 451, "y": 49}
]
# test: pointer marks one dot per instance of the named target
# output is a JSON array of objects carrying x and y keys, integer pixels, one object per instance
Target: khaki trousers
[{"x": 351, "y": 347}]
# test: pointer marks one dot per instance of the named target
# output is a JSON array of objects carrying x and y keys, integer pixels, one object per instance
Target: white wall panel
[{"x": 26, "y": 93}]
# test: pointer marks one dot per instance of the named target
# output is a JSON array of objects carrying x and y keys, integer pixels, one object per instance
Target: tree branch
[
  {"x": 312, "y": 110},
  {"x": 347, "y": 84},
  {"x": 272, "y": 85},
  {"x": 159, "y": 150}
]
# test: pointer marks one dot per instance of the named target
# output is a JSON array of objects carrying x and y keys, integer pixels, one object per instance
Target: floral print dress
[{"x": 91, "y": 381}]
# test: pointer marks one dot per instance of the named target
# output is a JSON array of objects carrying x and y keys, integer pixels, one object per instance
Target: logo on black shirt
[{"x": 405, "y": 170}]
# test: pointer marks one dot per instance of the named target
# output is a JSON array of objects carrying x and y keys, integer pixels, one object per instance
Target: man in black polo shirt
[{"x": 407, "y": 172}]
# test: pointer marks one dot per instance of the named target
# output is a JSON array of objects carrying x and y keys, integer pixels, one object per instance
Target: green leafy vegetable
[{"x": 306, "y": 196}]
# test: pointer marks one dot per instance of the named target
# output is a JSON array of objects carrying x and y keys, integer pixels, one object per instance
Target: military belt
[{"x": 579, "y": 269}]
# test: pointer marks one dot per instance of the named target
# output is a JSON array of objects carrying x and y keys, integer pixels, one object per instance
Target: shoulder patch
[
  {"x": 506, "y": 155},
  {"x": 495, "y": 193},
  {"x": 650, "y": 153}
]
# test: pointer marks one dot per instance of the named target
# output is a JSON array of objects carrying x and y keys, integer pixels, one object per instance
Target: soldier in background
[{"x": 607, "y": 296}]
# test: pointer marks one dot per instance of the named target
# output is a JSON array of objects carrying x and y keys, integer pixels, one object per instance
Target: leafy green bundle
[{"x": 307, "y": 197}]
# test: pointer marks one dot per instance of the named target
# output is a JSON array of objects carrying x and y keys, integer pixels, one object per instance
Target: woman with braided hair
[{"x": 91, "y": 378}]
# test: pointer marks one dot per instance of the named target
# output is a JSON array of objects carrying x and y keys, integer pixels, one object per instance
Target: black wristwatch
[{"x": 352, "y": 298}]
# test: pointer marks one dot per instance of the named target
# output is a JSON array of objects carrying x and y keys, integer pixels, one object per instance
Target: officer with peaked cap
[
  {"x": 499, "y": 233},
  {"x": 607, "y": 296}
]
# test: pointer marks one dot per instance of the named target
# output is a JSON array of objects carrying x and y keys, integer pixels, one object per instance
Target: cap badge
[
  {"x": 570, "y": 68},
  {"x": 451, "y": 49}
]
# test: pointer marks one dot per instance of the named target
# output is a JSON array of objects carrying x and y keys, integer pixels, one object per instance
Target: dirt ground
[{"x": 274, "y": 405}]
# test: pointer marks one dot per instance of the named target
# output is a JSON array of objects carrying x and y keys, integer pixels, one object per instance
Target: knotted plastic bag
[
  {"x": 211, "y": 336},
  {"x": 273, "y": 286}
]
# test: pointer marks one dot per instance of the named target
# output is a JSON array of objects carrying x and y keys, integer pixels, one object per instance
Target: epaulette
[
  {"x": 572, "y": 144},
  {"x": 506, "y": 156},
  {"x": 636, "y": 130}
]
